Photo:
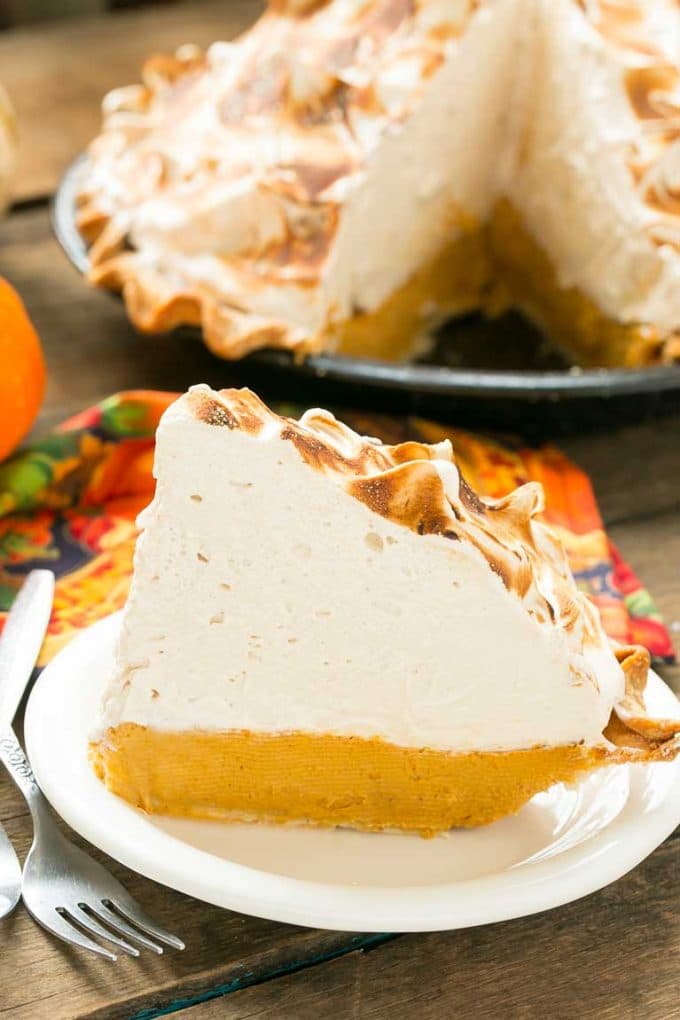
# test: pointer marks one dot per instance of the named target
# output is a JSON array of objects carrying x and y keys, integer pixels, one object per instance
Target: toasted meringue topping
[
  {"x": 648, "y": 36},
  {"x": 645, "y": 27},
  {"x": 275, "y": 187},
  {"x": 419, "y": 486}
]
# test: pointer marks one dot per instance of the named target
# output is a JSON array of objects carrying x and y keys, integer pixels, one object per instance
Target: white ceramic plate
[{"x": 564, "y": 844}]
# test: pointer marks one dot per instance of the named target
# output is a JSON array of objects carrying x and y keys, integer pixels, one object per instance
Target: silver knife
[
  {"x": 20, "y": 644},
  {"x": 22, "y": 640}
]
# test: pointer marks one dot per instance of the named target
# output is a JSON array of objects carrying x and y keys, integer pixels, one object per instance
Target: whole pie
[
  {"x": 322, "y": 628},
  {"x": 348, "y": 174}
]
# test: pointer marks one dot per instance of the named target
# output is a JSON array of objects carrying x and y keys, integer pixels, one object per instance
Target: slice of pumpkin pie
[{"x": 323, "y": 628}]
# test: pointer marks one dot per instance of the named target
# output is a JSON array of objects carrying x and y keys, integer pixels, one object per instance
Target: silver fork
[
  {"x": 63, "y": 888},
  {"x": 19, "y": 648}
]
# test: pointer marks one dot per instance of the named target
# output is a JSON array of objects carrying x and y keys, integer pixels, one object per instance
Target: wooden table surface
[{"x": 613, "y": 955}]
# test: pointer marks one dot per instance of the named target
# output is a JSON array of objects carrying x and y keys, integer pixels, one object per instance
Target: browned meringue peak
[
  {"x": 654, "y": 91},
  {"x": 630, "y": 727},
  {"x": 312, "y": 80},
  {"x": 277, "y": 127},
  {"x": 418, "y": 486},
  {"x": 651, "y": 60},
  {"x": 630, "y": 24}
]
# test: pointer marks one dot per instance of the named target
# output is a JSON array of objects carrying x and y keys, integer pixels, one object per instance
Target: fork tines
[{"x": 108, "y": 920}]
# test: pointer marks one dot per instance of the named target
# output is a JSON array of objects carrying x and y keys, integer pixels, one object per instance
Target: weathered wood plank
[
  {"x": 613, "y": 956},
  {"x": 20, "y": 12},
  {"x": 58, "y": 73},
  {"x": 93, "y": 351},
  {"x": 634, "y": 470}
]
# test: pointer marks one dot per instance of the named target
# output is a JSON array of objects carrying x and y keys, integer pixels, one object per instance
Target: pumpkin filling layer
[
  {"x": 495, "y": 268},
  {"x": 326, "y": 779}
]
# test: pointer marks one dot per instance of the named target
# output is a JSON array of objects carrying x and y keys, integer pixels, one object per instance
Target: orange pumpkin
[{"x": 22, "y": 370}]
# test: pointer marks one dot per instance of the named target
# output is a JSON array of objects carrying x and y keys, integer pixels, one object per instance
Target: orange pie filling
[
  {"x": 498, "y": 267},
  {"x": 329, "y": 780},
  {"x": 325, "y": 779}
]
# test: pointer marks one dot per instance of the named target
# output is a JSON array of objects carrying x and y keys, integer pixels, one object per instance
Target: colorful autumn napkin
[{"x": 69, "y": 502}]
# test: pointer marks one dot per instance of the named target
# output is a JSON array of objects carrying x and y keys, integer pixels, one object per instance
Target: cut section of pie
[
  {"x": 323, "y": 628},
  {"x": 348, "y": 174}
]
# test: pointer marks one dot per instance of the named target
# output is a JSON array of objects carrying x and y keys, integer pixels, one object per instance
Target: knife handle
[
  {"x": 22, "y": 639},
  {"x": 17, "y": 764}
]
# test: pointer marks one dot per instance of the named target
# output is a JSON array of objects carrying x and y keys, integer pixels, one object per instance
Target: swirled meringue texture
[
  {"x": 295, "y": 576},
  {"x": 275, "y": 187}
]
